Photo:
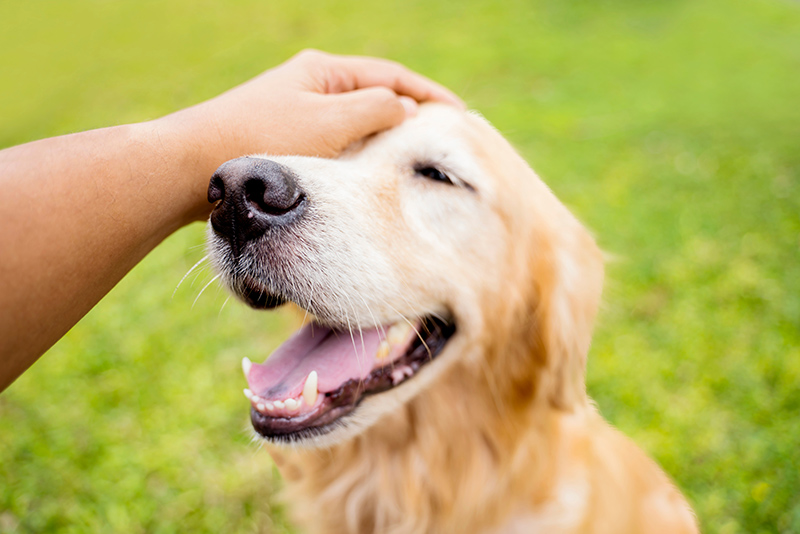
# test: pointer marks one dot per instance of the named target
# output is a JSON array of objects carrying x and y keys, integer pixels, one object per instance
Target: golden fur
[{"x": 502, "y": 437}]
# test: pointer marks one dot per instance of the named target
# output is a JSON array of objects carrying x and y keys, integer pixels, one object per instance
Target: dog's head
[{"x": 427, "y": 246}]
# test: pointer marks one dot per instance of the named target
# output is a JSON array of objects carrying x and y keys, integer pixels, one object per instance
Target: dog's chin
[{"x": 354, "y": 388}]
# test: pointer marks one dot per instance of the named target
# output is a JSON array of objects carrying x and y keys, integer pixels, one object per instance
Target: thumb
[{"x": 367, "y": 111}]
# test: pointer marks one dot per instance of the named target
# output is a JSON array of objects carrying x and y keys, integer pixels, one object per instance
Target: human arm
[{"x": 79, "y": 211}]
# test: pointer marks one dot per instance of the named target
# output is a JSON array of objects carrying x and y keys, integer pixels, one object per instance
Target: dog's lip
[
  {"x": 330, "y": 406},
  {"x": 332, "y": 355},
  {"x": 257, "y": 297}
]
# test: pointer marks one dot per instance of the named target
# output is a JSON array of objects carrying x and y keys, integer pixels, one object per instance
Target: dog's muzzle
[{"x": 252, "y": 195}]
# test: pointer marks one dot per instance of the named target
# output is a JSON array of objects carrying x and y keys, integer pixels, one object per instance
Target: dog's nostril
[
  {"x": 254, "y": 190},
  {"x": 216, "y": 189},
  {"x": 275, "y": 195}
]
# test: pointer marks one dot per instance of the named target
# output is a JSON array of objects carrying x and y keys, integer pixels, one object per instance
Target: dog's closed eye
[{"x": 432, "y": 173}]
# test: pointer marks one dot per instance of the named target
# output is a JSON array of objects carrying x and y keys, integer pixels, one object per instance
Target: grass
[{"x": 670, "y": 127}]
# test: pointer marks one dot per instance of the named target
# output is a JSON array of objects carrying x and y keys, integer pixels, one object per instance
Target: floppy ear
[{"x": 568, "y": 274}]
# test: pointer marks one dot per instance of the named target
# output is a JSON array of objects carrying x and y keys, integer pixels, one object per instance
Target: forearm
[{"x": 79, "y": 212}]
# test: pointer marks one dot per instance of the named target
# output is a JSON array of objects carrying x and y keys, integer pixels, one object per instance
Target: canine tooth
[
  {"x": 278, "y": 404},
  {"x": 291, "y": 404},
  {"x": 246, "y": 365},
  {"x": 260, "y": 407},
  {"x": 383, "y": 350},
  {"x": 248, "y": 393},
  {"x": 310, "y": 389},
  {"x": 398, "y": 332}
]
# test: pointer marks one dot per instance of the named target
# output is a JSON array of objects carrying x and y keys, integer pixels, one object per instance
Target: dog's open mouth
[{"x": 321, "y": 374}]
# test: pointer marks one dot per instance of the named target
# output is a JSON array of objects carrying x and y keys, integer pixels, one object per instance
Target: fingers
[
  {"x": 348, "y": 73},
  {"x": 360, "y": 72},
  {"x": 409, "y": 104},
  {"x": 363, "y": 112}
]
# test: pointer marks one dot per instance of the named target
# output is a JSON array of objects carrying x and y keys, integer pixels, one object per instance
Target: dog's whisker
[
  {"x": 429, "y": 312},
  {"x": 433, "y": 314},
  {"x": 374, "y": 320},
  {"x": 360, "y": 330},
  {"x": 195, "y": 266},
  {"x": 223, "y": 306},
  {"x": 309, "y": 303},
  {"x": 346, "y": 317},
  {"x": 413, "y": 327},
  {"x": 378, "y": 326},
  {"x": 355, "y": 349},
  {"x": 204, "y": 288}
]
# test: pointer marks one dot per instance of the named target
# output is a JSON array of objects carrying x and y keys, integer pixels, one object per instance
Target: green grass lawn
[{"x": 671, "y": 127}]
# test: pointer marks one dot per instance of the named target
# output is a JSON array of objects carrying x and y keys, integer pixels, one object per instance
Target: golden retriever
[{"x": 438, "y": 386}]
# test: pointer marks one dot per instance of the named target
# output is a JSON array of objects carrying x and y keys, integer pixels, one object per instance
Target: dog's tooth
[
  {"x": 398, "y": 332},
  {"x": 269, "y": 406},
  {"x": 383, "y": 350},
  {"x": 310, "y": 389},
  {"x": 248, "y": 393},
  {"x": 291, "y": 404},
  {"x": 278, "y": 404},
  {"x": 260, "y": 407},
  {"x": 397, "y": 376},
  {"x": 246, "y": 365}
]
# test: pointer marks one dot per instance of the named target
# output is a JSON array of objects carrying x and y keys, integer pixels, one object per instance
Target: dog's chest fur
[{"x": 420, "y": 471}]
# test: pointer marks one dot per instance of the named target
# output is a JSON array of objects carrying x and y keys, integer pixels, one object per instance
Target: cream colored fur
[{"x": 497, "y": 435}]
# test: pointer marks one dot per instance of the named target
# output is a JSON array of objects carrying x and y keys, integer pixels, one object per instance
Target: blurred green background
[{"x": 671, "y": 127}]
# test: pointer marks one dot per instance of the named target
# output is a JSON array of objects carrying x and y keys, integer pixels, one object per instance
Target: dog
[{"x": 437, "y": 385}]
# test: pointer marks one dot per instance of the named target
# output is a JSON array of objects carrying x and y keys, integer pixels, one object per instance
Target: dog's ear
[{"x": 568, "y": 276}]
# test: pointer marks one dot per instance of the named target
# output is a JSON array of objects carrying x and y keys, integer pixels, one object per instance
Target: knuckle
[
  {"x": 396, "y": 70},
  {"x": 383, "y": 94},
  {"x": 310, "y": 55}
]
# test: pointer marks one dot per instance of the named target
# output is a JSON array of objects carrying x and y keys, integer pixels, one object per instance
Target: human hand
[{"x": 314, "y": 104}]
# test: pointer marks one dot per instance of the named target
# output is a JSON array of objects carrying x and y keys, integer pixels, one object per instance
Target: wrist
[{"x": 188, "y": 161}]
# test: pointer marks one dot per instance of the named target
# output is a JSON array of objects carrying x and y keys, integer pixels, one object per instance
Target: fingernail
[{"x": 410, "y": 105}]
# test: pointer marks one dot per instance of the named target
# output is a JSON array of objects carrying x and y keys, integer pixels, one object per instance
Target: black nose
[{"x": 252, "y": 195}]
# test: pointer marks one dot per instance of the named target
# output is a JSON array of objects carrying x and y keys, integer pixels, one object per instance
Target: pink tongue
[{"x": 334, "y": 355}]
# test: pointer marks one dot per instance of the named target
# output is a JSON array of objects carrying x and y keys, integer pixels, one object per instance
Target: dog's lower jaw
[{"x": 429, "y": 467}]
